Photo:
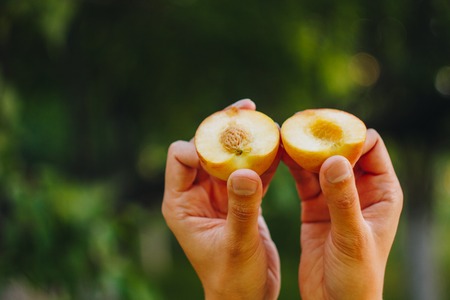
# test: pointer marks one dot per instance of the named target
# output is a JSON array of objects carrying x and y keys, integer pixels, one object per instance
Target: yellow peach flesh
[
  {"x": 234, "y": 139},
  {"x": 311, "y": 136}
]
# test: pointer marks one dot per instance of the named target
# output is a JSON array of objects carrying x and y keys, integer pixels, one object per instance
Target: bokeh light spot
[
  {"x": 364, "y": 69},
  {"x": 442, "y": 82}
]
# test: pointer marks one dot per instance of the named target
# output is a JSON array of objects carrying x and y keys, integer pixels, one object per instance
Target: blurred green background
[{"x": 92, "y": 92}]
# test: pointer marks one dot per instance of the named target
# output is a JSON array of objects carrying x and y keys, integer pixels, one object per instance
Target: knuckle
[
  {"x": 166, "y": 213},
  {"x": 345, "y": 201},
  {"x": 242, "y": 213},
  {"x": 169, "y": 212},
  {"x": 164, "y": 210}
]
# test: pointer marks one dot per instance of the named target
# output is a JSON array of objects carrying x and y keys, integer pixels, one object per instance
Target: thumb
[
  {"x": 244, "y": 200},
  {"x": 338, "y": 186}
]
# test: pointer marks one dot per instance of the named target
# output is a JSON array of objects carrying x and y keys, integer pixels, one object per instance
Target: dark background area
[{"x": 92, "y": 93}]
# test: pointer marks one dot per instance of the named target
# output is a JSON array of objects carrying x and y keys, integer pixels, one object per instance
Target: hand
[
  {"x": 349, "y": 220},
  {"x": 220, "y": 227}
]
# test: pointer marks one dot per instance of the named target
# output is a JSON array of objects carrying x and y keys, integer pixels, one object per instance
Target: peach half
[
  {"x": 234, "y": 139},
  {"x": 313, "y": 135}
]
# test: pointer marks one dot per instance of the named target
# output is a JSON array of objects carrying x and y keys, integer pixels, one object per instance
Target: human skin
[
  {"x": 219, "y": 225},
  {"x": 349, "y": 221}
]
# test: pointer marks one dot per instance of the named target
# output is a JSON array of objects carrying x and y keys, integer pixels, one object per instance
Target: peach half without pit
[{"x": 313, "y": 135}]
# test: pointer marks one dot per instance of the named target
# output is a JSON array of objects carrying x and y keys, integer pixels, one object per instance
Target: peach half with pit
[
  {"x": 234, "y": 139},
  {"x": 311, "y": 136}
]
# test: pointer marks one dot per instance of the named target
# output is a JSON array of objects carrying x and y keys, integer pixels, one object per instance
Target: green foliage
[{"x": 69, "y": 236}]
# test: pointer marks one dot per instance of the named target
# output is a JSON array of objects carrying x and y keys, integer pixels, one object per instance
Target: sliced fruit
[
  {"x": 234, "y": 139},
  {"x": 313, "y": 135}
]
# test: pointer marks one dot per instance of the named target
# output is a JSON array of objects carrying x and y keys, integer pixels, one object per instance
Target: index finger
[
  {"x": 307, "y": 183},
  {"x": 267, "y": 176},
  {"x": 243, "y": 104},
  {"x": 375, "y": 158},
  {"x": 181, "y": 167}
]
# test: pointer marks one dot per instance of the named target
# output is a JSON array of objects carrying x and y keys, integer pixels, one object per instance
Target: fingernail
[
  {"x": 338, "y": 171},
  {"x": 243, "y": 186}
]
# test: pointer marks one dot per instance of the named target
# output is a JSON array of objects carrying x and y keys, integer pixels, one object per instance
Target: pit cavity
[
  {"x": 326, "y": 131},
  {"x": 235, "y": 139}
]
